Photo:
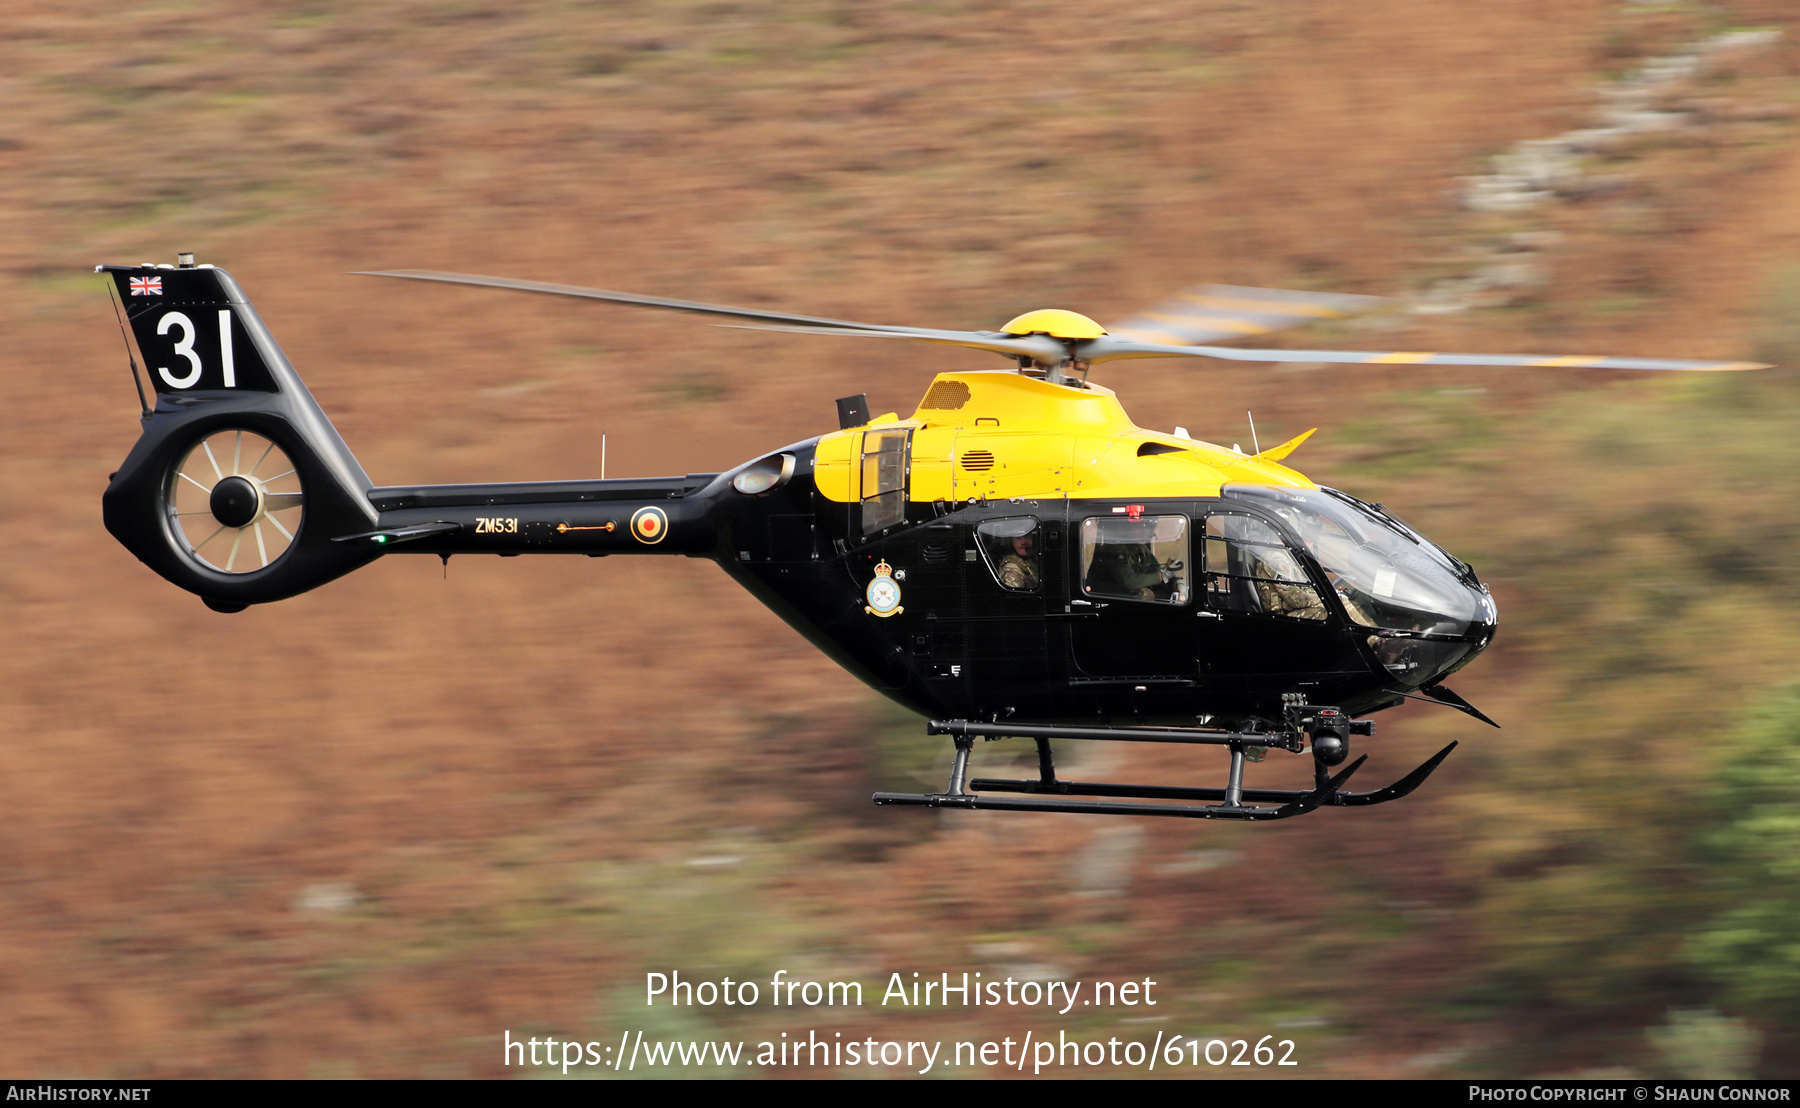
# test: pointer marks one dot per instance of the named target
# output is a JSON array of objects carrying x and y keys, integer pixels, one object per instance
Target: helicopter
[{"x": 1015, "y": 559}]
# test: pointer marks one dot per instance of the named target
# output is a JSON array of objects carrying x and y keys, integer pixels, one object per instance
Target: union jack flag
[{"x": 146, "y": 286}]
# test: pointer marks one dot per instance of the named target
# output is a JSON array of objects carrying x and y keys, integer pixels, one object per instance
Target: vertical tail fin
[{"x": 239, "y": 482}]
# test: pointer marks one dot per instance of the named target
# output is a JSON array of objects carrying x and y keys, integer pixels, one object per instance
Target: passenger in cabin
[
  {"x": 1009, "y": 547},
  {"x": 1019, "y": 569},
  {"x": 1124, "y": 563}
]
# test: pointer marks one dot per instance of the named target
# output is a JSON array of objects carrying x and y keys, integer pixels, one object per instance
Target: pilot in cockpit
[{"x": 1300, "y": 601}]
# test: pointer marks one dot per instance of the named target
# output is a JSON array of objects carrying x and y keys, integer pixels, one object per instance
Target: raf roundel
[{"x": 649, "y": 525}]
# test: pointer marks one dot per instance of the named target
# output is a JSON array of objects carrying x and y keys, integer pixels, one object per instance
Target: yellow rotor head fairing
[{"x": 1058, "y": 323}]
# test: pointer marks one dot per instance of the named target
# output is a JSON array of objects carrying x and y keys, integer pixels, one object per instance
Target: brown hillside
[{"x": 364, "y": 831}]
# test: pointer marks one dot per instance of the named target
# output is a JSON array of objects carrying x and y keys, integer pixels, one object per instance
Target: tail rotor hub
[{"x": 237, "y": 501}]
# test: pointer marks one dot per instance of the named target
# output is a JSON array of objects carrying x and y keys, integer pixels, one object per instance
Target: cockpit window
[
  {"x": 1010, "y": 548},
  {"x": 1384, "y": 518},
  {"x": 1250, "y": 569},
  {"x": 1142, "y": 558},
  {"x": 1388, "y": 575}
]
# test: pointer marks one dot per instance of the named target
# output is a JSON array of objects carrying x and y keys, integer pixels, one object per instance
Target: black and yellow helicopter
[{"x": 1015, "y": 559}]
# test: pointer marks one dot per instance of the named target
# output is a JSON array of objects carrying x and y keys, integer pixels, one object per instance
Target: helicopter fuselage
[
  {"x": 1020, "y": 550},
  {"x": 1015, "y": 559}
]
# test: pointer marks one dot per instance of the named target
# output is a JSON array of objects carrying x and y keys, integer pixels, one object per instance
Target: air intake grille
[
  {"x": 977, "y": 461},
  {"x": 946, "y": 396}
]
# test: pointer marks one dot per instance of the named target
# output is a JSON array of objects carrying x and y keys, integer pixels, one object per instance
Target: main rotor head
[{"x": 1055, "y": 322}]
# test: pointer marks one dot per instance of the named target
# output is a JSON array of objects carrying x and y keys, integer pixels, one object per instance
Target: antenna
[
  {"x": 603, "y": 455},
  {"x": 143, "y": 405},
  {"x": 1253, "y": 445}
]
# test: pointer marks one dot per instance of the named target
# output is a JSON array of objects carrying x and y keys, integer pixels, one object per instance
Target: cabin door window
[
  {"x": 1136, "y": 558},
  {"x": 1010, "y": 549}
]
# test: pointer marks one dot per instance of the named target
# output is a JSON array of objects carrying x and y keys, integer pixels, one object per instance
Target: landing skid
[
  {"x": 1395, "y": 791},
  {"x": 1049, "y": 794}
]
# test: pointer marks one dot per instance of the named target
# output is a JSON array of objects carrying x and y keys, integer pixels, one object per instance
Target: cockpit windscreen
[{"x": 1387, "y": 575}]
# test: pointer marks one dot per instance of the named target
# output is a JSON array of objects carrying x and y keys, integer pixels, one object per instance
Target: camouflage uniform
[
  {"x": 1278, "y": 598},
  {"x": 1125, "y": 569},
  {"x": 1356, "y": 612},
  {"x": 1019, "y": 572}
]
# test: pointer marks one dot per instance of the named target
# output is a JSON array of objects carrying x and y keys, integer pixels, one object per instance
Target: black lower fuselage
[{"x": 953, "y": 640}]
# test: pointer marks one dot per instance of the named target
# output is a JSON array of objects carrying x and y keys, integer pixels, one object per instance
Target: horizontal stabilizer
[{"x": 393, "y": 535}]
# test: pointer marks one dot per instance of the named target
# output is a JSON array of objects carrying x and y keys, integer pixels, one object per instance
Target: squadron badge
[{"x": 883, "y": 592}]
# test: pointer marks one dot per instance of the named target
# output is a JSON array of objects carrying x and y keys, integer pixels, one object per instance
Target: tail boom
[{"x": 656, "y": 515}]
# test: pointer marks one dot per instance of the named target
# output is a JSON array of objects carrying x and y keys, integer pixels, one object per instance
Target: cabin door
[
  {"x": 1263, "y": 614},
  {"x": 1132, "y": 597},
  {"x": 1003, "y": 616}
]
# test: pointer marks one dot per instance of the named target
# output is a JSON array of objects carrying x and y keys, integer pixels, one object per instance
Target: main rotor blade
[
  {"x": 1207, "y": 301},
  {"x": 1040, "y": 348},
  {"x": 701, "y": 307},
  {"x": 1109, "y": 348},
  {"x": 1208, "y": 313}
]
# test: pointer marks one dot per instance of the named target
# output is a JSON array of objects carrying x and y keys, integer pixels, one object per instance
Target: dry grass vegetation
[{"x": 363, "y": 831}]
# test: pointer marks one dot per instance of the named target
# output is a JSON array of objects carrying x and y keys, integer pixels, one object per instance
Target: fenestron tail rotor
[
  {"x": 1057, "y": 342},
  {"x": 235, "y": 502}
]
